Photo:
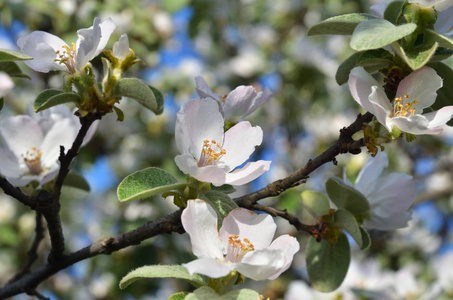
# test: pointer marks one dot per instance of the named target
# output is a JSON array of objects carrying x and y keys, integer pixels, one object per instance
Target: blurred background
[{"x": 238, "y": 42}]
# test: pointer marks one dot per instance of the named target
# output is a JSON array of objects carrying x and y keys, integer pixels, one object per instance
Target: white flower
[
  {"x": 390, "y": 196},
  {"x": 211, "y": 155},
  {"x": 32, "y": 145},
  {"x": 49, "y": 52},
  {"x": 6, "y": 84},
  {"x": 243, "y": 243},
  {"x": 121, "y": 48},
  {"x": 241, "y": 102},
  {"x": 415, "y": 93}
]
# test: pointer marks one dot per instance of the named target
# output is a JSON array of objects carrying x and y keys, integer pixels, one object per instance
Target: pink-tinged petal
[
  {"x": 259, "y": 229},
  {"x": 261, "y": 264},
  {"x": 259, "y": 100},
  {"x": 360, "y": 83},
  {"x": 203, "y": 90},
  {"x": 439, "y": 117},
  {"x": 198, "y": 120},
  {"x": 366, "y": 180},
  {"x": 121, "y": 48},
  {"x": 381, "y": 106},
  {"x": 20, "y": 134},
  {"x": 42, "y": 46},
  {"x": 62, "y": 133},
  {"x": 6, "y": 84},
  {"x": 240, "y": 141},
  {"x": 239, "y": 101},
  {"x": 92, "y": 40},
  {"x": 209, "y": 267},
  {"x": 11, "y": 166},
  {"x": 422, "y": 85},
  {"x": 200, "y": 222},
  {"x": 188, "y": 165},
  {"x": 247, "y": 173},
  {"x": 416, "y": 124},
  {"x": 289, "y": 246}
]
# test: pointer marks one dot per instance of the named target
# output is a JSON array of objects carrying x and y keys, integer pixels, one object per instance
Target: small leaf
[
  {"x": 366, "y": 240},
  {"x": 327, "y": 264},
  {"x": 77, "y": 181},
  {"x": 146, "y": 183},
  {"x": 393, "y": 10},
  {"x": 119, "y": 114},
  {"x": 12, "y": 69},
  {"x": 159, "y": 99},
  {"x": 178, "y": 296},
  {"x": 441, "y": 54},
  {"x": 207, "y": 293},
  {"x": 8, "y": 55},
  {"x": 346, "y": 197},
  {"x": 375, "y": 57},
  {"x": 432, "y": 37},
  {"x": 416, "y": 58},
  {"x": 344, "y": 24},
  {"x": 342, "y": 75},
  {"x": 226, "y": 188},
  {"x": 159, "y": 271},
  {"x": 374, "y": 34},
  {"x": 49, "y": 98},
  {"x": 316, "y": 204},
  {"x": 138, "y": 90},
  {"x": 346, "y": 221},
  {"x": 221, "y": 203}
]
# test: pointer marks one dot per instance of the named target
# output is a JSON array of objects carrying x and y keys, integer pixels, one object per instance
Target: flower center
[
  {"x": 32, "y": 159},
  {"x": 237, "y": 248},
  {"x": 67, "y": 57},
  {"x": 401, "y": 109},
  {"x": 211, "y": 153}
]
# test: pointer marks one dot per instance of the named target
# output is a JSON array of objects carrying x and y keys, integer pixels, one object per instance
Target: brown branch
[{"x": 16, "y": 193}]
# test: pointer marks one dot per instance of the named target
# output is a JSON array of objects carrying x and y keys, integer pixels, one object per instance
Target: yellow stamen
[
  {"x": 237, "y": 248},
  {"x": 67, "y": 57},
  {"x": 404, "y": 110},
  {"x": 210, "y": 156}
]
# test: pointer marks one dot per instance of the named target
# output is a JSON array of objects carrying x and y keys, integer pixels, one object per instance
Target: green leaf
[
  {"x": 8, "y": 55},
  {"x": 138, "y": 90},
  {"x": 77, "y": 181},
  {"x": 221, "y": 203},
  {"x": 178, "y": 296},
  {"x": 342, "y": 75},
  {"x": 146, "y": 183},
  {"x": 159, "y": 99},
  {"x": 374, "y": 34},
  {"x": 366, "y": 240},
  {"x": 346, "y": 197},
  {"x": 174, "y": 5},
  {"x": 12, "y": 69},
  {"x": 226, "y": 188},
  {"x": 375, "y": 57},
  {"x": 346, "y": 221},
  {"x": 315, "y": 204},
  {"x": 393, "y": 10},
  {"x": 119, "y": 114},
  {"x": 49, "y": 98},
  {"x": 344, "y": 24},
  {"x": 159, "y": 271},
  {"x": 432, "y": 37},
  {"x": 416, "y": 58},
  {"x": 327, "y": 264},
  {"x": 207, "y": 293}
]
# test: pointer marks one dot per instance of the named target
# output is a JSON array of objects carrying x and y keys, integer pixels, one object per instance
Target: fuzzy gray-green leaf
[
  {"x": 344, "y": 24},
  {"x": 49, "y": 98}
]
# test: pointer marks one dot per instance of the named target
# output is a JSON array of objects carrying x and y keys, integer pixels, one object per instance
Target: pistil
[
  {"x": 237, "y": 248},
  {"x": 32, "y": 159},
  {"x": 212, "y": 151}
]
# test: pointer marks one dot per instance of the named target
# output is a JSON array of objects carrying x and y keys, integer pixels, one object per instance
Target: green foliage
[
  {"x": 160, "y": 271},
  {"x": 374, "y": 34},
  {"x": 416, "y": 58},
  {"x": 221, "y": 203},
  {"x": 393, "y": 11},
  {"x": 346, "y": 221},
  {"x": 144, "y": 94},
  {"x": 316, "y": 204},
  {"x": 344, "y": 24},
  {"x": 372, "y": 61},
  {"x": 366, "y": 240},
  {"x": 8, "y": 55},
  {"x": 77, "y": 181},
  {"x": 48, "y": 98},
  {"x": 12, "y": 69},
  {"x": 226, "y": 188},
  {"x": 345, "y": 196},
  {"x": 147, "y": 182},
  {"x": 178, "y": 296},
  {"x": 327, "y": 264},
  {"x": 207, "y": 293},
  {"x": 432, "y": 37}
]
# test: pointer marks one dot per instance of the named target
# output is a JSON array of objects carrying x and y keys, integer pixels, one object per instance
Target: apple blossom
[
  {"x": 390, "y": 196},
  {"x": 32, "y": 144},
  {"x": 6, "y": 84},
  {"x": 241, "y": 102},
  {"x": 211, "y": 155},
  {"x": 121, "y": 48},
  {"x": 415, "y": 93},
  {"x": 49, "y": 52},
  {"x": 243, "y": 243}
]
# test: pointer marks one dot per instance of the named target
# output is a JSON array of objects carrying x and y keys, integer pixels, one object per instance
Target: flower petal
[
  {"x": 6, "y": 84},
  {"x": 200, "y": 222},
  {"x": 121, "y": 48},
  {"x": 11, "y": 166},
  {"x": 20, "y": 134},
  {"x": 422, "y": 85},
  {"x": 416, "y": 124},
  {"x": 261, "y": 264},
  {"x": 360, "y": 83},
  {"x": 261, "y": 98},
  {"x": 366, "y": 180},
  {"x": 439, "y": 117},
  {"x": 188, "y": 165},
  {"x": 394, "y": 193},
  {"x": 239, "y": 143},
  {"x": 389, "y": 222},
  {"x": 259, "y": 229},
  {"x": 381, "y": 106},
  {"x": 209, "y": 267},
  {"x": 92, "y": 40},
  {"x": 444, "y": 22},
  {"x": 247, "y": 173},
  {"x": 239, "y": 101},
  {"x": 42, "y": 46},
  {"x": 203, "y": 90},
  {"x": 289, "y": 246}
]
